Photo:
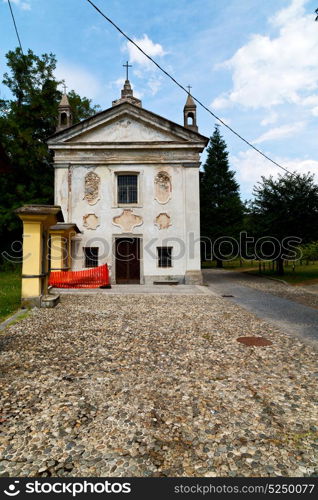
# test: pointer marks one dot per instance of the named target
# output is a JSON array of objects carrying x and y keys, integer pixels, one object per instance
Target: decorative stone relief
[
  {"x": 92, "y": 185},
  {"x": 91, "y": 221},
  {"x": 163, "y": 221},
  {"x": 127, "y": 221},
  {"x": 163, "y": 187}
]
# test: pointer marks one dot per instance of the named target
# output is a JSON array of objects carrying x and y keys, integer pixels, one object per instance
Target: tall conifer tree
[{"x": 221, "y": 206}]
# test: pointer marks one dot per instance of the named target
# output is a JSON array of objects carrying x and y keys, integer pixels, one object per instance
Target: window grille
[
  {"x": 127, "y": 188},
  {"x": 91, "y": 256},
  {"x": 164, "y": 256}
]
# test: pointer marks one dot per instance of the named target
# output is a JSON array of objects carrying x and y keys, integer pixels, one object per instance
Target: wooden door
[{"x": 127, "y": 255}]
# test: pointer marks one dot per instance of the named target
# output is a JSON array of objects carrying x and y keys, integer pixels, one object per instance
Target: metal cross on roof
[
  {"x": 64, "y": 87},
  {"x": 189, "y": 88},
  {"x": 127, "y": 66}
]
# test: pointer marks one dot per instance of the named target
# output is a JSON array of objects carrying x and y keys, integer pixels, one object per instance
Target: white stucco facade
[{"x": 126, "y": 139}]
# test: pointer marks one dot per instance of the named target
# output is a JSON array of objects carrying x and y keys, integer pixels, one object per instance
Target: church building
[{"x": 129, "y": 179}]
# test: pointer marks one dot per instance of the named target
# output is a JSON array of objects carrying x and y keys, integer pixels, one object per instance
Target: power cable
[
  {"x": 185, "y": 90},
  {"x": 15, "y": 27}
]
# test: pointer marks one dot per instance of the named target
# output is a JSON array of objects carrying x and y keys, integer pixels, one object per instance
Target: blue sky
[{"x": 254, "y": 63}]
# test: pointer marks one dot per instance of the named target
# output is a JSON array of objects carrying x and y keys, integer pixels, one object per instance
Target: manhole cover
[
  {"x": 227, "y": 295},
  {"x": 257, "y": 341}
]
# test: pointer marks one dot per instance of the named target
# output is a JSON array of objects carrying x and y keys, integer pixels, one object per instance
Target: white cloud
[
  {"x": 154, "y": 85},
  {"x": 137, "y": 93},
  {"x": 221, "y": 102},
  {"x": 311, "y": 101},
  {"x": 151, "y": 48},
  {"x": 294, "y": 10},
  {"x": 268, "y": 71},
  {"x": 21, "y": 4},
  {"x": 80, "y": 80},
  {"x": 280, "y": 132},
  {"x": 251, "y": 166},
  {"x": 138, "y": 73},
  {"x": 145, "y": 69},
  {"x": 270, "y": 119},
  {"x": 119, "y": 82}
]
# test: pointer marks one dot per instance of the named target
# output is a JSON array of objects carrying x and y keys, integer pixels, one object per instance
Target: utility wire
[
  {"x": 15, "y": 27},
  {"x": 185, "y": 90}
]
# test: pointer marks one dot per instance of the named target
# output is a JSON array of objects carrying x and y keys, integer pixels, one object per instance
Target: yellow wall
[
  {"x": 61, "y": 249},
  {"x": 40, "y": 224},
  {"x": 57, "y": 251},
  {"x": 35, "y": 256},
  {"x": 32, "y": 258}
]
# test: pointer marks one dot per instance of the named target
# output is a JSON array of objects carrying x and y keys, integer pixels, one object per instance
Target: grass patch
[
  {"x": 301, "y": 273},
  {"x": 10, "y": 293},
  {"x": 232, "y": 264},
  {"x": 20, "y": 317}
]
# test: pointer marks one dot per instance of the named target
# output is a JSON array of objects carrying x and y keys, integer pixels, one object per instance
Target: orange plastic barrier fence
[{"x": 98, "y": 277}]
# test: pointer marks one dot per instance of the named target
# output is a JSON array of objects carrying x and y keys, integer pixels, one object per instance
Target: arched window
[
  {"x": 190, "y": 119},
  {"x": 63, "y": 119}
]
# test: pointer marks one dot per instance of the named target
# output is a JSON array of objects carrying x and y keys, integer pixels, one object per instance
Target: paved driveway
[{"x": 258, "y": 296}]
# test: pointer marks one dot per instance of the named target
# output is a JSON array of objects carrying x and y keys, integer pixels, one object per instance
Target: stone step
[
  {"x": 167, "y": 282},
  {"x": 50, "y": 300}
]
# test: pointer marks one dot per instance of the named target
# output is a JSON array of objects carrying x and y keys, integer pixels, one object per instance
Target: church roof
[
  {"x": 64, "y": 101},
  {"x": 190, "y": 102},
  {"x": 129, "y": 105},
  {"x": 126, "y": 106}
]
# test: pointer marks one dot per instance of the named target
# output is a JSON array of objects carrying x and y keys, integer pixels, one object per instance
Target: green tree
[
  {"x": 221, "y": 207},
  {"x": 81, "y": 107},
  {"x": 310, "y": 251},
  {"x": 27, "y": 119},
  {"x": 284, "y": 208}
]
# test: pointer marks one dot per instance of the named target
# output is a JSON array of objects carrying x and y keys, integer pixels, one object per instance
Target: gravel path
[
  {"x": 146, "y": 385},
  {"x": 306, "y": 295},
  {"x": 259, "y": 296}
]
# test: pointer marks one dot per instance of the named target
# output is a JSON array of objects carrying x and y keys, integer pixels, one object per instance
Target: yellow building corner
[{"x": 42, "y": 223}]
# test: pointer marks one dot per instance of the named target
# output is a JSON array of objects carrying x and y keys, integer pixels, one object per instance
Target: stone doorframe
[{"x": 141, "y": 251}]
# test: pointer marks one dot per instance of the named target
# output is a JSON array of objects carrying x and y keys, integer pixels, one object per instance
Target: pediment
[
  {"x": 124, "y": 129},
  {"x": 125, "y": 123}
]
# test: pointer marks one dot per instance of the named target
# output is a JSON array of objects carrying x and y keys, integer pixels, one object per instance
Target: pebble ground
[{"x": 154, "y": 385}]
